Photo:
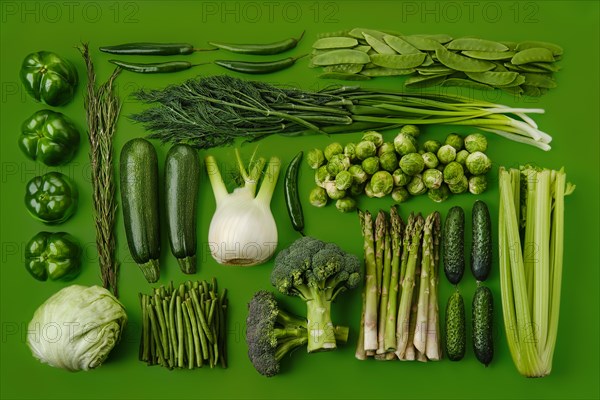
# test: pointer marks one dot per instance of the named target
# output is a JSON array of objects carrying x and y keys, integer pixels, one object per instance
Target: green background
[{"x": 571, "y": 118}]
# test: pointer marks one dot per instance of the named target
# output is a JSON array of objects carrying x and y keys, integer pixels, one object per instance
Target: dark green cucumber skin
[
  {"x": 139, "y": 199},
  {"x": 292, "y": 198},
  {"x": 182, "y": 180},
  {"x": 454, "y": 245},
  {"x": 455, "y": 342},
  {"x": 481, "y": 249},
  {"x": 483, "y": 316}
]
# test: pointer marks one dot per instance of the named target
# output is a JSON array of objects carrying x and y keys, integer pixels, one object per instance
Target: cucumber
[
  {"x": 483, "y": 315},
  {"x": 139, "y": 201},
  {"x": 455, "y": 342},
  {"x": 292, "y": 199},
  {"x": 454, "y": 245},
  {"x": 481, "y": 248},
  {"x": 182, "y": 174}
]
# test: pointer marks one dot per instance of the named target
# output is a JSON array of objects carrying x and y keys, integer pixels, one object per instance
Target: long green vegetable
[
  {"x": 216, "y": 110},
  {"x": 531, "y": 216}
]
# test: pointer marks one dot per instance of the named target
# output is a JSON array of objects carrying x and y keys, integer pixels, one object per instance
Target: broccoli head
[
  {"x": 271, "y": 333},
  {"x": 316, "y": 272}
]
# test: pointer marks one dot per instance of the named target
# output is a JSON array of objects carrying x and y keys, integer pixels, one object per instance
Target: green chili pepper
[
  {"x": 262, "y": 49},
  {"x": 50, "y": 137},
  {"x": 155, "y": 68},
  {"x": 54, "y": 256},
  {"x": 152, "y": 49},
  {"x": 49, "y": 78},
  {"x": 258, "y": 67},
  {"x": 51, "y": 198}
]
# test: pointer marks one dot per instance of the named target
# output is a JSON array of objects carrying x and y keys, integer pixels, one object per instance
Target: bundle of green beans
[
  {"x": 184, "y": 327},
  {"x": 515, "y": 67}
]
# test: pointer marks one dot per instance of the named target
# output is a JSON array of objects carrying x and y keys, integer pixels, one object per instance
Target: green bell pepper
[
  {"x": 50, "y": 137},
  {"x": 49, "y": 78},
  {"x": 54, "y": 256},
  {"x": 51, "y": 198}
]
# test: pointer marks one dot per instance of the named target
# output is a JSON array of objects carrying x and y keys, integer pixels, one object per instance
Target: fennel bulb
[{"x": 242, "y": 231}]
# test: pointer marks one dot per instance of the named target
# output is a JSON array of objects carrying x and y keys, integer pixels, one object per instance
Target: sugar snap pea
[
  {"x": 381, "y": 71},
  {"x": 155, "y": 68},
  {"x": 460, "y": 82},
  {"x": 422, "y": 42},
  {"x": 398, "y": 61},
  {"x": 343, "y": 76},
  {"x": 334, "y": 42},
  {"x": 555, "y": 49},
  {"x": 259, "y": 49},
  {"x": 258, "y": 67},
  {"x": 489, "y": 55},
  {"x": 424, "y": 81},
  {"x": 359, "y": 33},
  {"x": 462, "y": 63},
  {"x": 400, "y": 45},
  {"x": 493, "y": 78},
  {"x": 344, "y": 68},
  {"x": 152, "y": 49},
  {"x": 534, "y": 54},
  {"x": 341, "y": 57},
  {"x": 475, "y": 45},
  {"x": 539, "y": 80},
  {"x": 378, "y": 45},
  {"x": 441, "y": 38}
]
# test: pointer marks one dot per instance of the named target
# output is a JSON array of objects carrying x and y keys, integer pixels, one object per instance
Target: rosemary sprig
[{"x": 102, "y": 107}]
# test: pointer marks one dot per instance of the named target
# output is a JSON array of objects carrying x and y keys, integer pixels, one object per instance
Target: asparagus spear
[
  {"x": 433, "y": 350},
  {"x": 385, "y": 284},
  {"x": 421, "y": 329},
  {"x": 360, "y": 345},
  {"x": 379, "y": 249},
  {"x": 370, "y": 325},
  {"x": 397, "y": 230}
]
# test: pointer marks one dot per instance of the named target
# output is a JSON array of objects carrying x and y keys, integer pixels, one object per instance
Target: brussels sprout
[
  {"x": 416, "y": 186},
  {"x": 386, "y": 147},
  {"x": 333, "y": 192},
  {"x": 453, "y": 173},
  {"x": 411, "y": 164},
  {"x": 477, "y": 184},
  {"x": 389, "y": 161},
  {"x": 371, "y": 165},
  {"x": 358, "y": 174},
  {"x": 461, "y": 157},
  {"x": 446, "y": 154},
  {"x": 332, "y": 149},
  {"x": 440, "y": 194},
  {"x": 433, "y": 178},
  {"x": 315, "y": 158},
  {"x": 478, "y": 163},
  {"x": 369, "y": 190},
  {"x": 411, "y": 130},
  {"x": 405, "y": 144},
  {"x": 432, "y": 146},
  {"x": 400, "y": 194},
  {"x": 337, "y": 164},
  {"x": 318, "y": 197},
  {"x": 400, "y": 178},
  {"x": 382, "y": 183},
  {"x": 322, "y": 176},
  {"x": 357, "y": 189},
  {"x": 373, "y": 136},
  {"x": 430, "y": 160},
  {"x": 476, "y": 142},
  {"x": 346, "y": 204},
  {"x": 350, "y": 151},
  {"x": 365, "y": 149},
  {"x": 343, "y": 180},
  {"x": 460, "y": 187},
  {"x": 455, "y": 140}
]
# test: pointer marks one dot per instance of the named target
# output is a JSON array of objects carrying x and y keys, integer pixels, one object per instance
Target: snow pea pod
[
  {"x": 258, "y": 67},
  {"x": 152, "y": 49},
  {"x": 155, "y": 68},
  {"x": 259, "y": 49}
]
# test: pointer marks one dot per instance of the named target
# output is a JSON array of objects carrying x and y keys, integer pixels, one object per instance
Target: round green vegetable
[
  {"x": 315, "y": 158},
  {"x": 365, "y": 149},
  {"x": 477, "y": 184},
  {"x": 371, "y": 165},
  {"x": 446, "y": 154},
  {"x": 49, "y": 78},
  {"x": 358, "y": 174},
  {"x": 389, "y": 161},
  {"x": 382, "y": 183},
  {"x": 461, "y": 157},
  {"x": 338, "y": 163},
  {"x": 433, "y": 178},
  {"x": 440, "y": 194},
  {"x": 333, "y": 192},
  {"x": 386, "y": 147},
  {"x": 405, "y": 144},
  {"x": 416, "y": 186},
  {"x": 369, "y": 190},
  {"x": 455, "y": 140},
  {"x": 411, "y": 130},
  {"x": 432, "y": 146},
  {"x": 460, "y": 187},
  {"x": 318, "y": 197},
  {"x": 478, "y": 163},
  {"x": 51, "y": 198},
  {"x": 322, "y": 176},
  {"x": 346, "y": 204},
  {"x": 357, "y": 189},
  {"x": 412, "y": 164},
  {"x": 54, "y": 256},
  {"x": 50, "y": 137},
  {"x": 476, "y": 142},
  {"x": 373, "y": 136},
  {"x": 400, "y": 194},
  {"x": 343, "y": 180},
  {"x": 430, "y": 160},
  {"x": 453, "y": 173},
  {"x": 333, "y": 149},
  {"x": 400, "y": 178},
  {"x": 350, "y": 151}
]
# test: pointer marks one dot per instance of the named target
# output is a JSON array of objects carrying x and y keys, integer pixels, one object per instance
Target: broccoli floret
[
  {"x": 316, "y": 272},
  {"x": 271, "y": 333}
]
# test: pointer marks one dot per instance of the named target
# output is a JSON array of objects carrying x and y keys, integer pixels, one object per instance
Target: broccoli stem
[
  {"x": 370, "y": 325},
  {"x": 321, "y": 334},
  {"x": 385, "y": 283},
  {"x": 397, "y": 227},
  {"x": 285, "y": 346},
  {"x": 290, "y": 320}
]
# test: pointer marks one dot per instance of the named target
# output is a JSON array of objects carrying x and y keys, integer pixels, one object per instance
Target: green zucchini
[
  {"x": 182, "y": 174},
  {"x": 454, "y": 245},
  {"x": 292, "y": 198},
  {"x": 483, "y": 315},
  {"x": 481, "y": 248},
  {"x": 139, "y": 201},
  {"x": 455, "y": 342}
]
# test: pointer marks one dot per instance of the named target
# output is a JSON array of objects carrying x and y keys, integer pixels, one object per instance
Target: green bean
[
  {"x": 180, "y": 332},
  {"x": 199, "y": 312},
  {"x": 155, "y": 68},
  {"x": 462, "y": 63},
  {"x": 260, "y": 49},
  {"x": 400, "y": 45},
  {"x": 171, "y": 349},
  {"x": 489, "y": 55},
  {"x": 172, "y": 327},
  {"x": 155, "y": 332},
  {"x": 378, "y": 45},
  {"x": 398, "y": 61},
  {"x": 189, "y": 336},
  {"x": 162, "y": 325},
  {"x": 334, "y": 43},
  {"x": 475, "y": 45},
  {"x": 145, "y": 342},
  {"x": 341, "y": 57},
  {"x": 493, "y": 78},
  {"x": 534, "y": 54},
  {"x": 195, "y": 335}
]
